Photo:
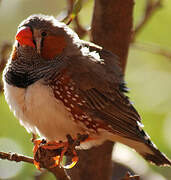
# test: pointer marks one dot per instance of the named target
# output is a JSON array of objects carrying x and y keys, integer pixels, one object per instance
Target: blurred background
[{"x": 148, "y": 76}]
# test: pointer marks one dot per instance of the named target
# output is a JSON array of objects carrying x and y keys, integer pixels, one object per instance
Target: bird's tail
[
  {"x": 148, "y": 150},
  {"x": 155, "y": 156}
]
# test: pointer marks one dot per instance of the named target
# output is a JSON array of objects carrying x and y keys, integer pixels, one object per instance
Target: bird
[{"x": 57, "y": 84}]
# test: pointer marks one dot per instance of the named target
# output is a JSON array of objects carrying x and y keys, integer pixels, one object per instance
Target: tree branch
[
  {"x": 150, "y": 9},
  {"x": 15, "y": 157},
  {"x": 111, "y": 28},
  {"x": 152, "y": 48},
  {"x": 58, "y": 172},
  {"x": 4, "y": 52}
]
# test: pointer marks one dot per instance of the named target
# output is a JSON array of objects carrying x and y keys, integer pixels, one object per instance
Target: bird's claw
[{"x": 67, "y": 148}]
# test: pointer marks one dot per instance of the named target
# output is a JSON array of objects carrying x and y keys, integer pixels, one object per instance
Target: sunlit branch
[
  {"x": 152, "y": 48},
  {"x": 4, "y": 52},
  {"x": 16, "y": 157},
  {"x": 150, "y": 8},
  {"x": 128, "y": 176}
]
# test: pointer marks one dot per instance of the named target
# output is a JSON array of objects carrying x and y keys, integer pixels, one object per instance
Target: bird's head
[{"x": 46, "y": 37}]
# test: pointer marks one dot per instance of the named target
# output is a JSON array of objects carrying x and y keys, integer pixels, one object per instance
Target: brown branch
[
  {"x": 44, "y": 159},
  {"x": 150, "y": 8},
  {"x": 111, "y": 29},
  {"x": 153, "y": 48},
  {"x": 78, "y": 28},
  {"x": 16, "y": 157},
  {"x": 128, "y": 176},
  {"x": 4, "y": 53}
]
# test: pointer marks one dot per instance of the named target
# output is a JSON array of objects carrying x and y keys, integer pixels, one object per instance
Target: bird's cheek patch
[
  {"x": 25, "y": 37},
  {"x": 53, "y": 46}
]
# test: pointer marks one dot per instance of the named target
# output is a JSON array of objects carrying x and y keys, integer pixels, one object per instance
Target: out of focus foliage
[{"x": 148, "y": 76}]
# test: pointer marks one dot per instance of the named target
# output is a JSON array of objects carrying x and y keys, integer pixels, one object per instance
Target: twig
[
  {"x": 4, "y": 51},
  {"x": 150, "y": 9},
  {"x": 15, "y": 157},
  {"x": 128, "y": 176},
  {"x": 58, "y": 172},
  {"x": 152, "y": 48},
  {"x": 79, "y": 29}
]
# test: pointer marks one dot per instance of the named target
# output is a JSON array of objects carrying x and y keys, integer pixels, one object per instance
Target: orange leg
[
  {"x": 65, "y": 146},
  {"x": 35, "y": 148},
  {"x": 58, "y": 159}
]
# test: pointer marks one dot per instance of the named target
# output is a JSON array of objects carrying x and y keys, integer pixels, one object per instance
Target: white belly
[{"x": 40, "y": 112}]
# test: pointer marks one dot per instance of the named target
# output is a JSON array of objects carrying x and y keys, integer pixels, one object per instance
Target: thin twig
[
  {"x": 153, "y": 48},
  {"x": 78, "y": 28},
  {"x": 4, "y": 52},
  {"x": 128, "y": 176},
  {"x": 150, "y": 8},
  {"x": 58, "y": 172},
  {"x": 16, "y": 157}
]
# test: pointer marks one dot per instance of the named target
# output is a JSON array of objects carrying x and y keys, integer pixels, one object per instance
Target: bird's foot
[{"x": 60, "y": 148}]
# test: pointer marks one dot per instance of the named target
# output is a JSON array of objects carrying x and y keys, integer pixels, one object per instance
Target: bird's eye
[{"x": 43, "y": 34}]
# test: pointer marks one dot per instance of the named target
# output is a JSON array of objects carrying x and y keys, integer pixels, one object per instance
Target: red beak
[{"x": 25, "y": 37}]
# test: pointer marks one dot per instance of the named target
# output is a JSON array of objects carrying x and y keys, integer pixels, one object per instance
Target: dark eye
[{"x": 43, "y": 33}]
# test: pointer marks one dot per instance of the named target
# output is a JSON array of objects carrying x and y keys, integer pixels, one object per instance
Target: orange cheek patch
[{"x": 53, "y": 46}]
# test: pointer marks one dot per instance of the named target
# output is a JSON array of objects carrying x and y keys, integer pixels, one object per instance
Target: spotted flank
[{"x": 64, "y": 90}]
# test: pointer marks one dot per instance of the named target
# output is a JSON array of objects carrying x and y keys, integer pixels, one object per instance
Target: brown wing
[{"x": 101, "y": 85}]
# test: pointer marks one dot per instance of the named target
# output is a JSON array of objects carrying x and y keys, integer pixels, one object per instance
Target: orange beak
[{"x": 25, "y": 37}]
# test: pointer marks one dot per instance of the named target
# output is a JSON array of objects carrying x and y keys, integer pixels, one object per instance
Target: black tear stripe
[{"x": 23, "y": 74}]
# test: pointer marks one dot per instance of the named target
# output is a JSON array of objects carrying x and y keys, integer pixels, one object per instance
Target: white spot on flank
[
  {"x": 58, "y": 92},
  {"x": 68, "y": 109},
  {"x": 86, "y": 122},
  {"x": 75, "y": 115},
  {"x": 76, "y": 95},
  {"x": 74, "y": 99},
  {"x": 84, "y": 116},
  {"x": 66, "y": 87},
  {"x": 80, "y": 104},
  {"x": 72, "y": 105},
  {"x": 89, "y": 119},
  {"x": 72, "y": 88},
  {"x": 109, "y": 126},
  {"x": 65, "y": 100},
  {"x": 94, "y": 126},
  {"x": 68, "y": 92},
  {"x": 68, "y": 95}
]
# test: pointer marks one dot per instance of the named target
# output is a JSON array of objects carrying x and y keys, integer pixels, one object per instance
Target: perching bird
[{"x": 57, "y": 84}]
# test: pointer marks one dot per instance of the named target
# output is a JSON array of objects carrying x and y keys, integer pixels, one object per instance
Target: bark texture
[
  {"x": 111, "y": 29},
  {"x": 112, "y": 26}
]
